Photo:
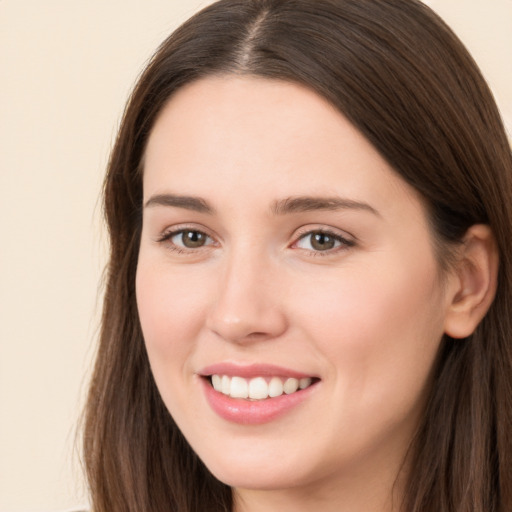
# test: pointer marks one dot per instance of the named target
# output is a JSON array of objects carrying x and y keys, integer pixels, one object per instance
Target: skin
[{"x": 365, "y": 317}]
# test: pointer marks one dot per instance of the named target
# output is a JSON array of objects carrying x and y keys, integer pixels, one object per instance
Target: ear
[{"x": 475, "y": 282}]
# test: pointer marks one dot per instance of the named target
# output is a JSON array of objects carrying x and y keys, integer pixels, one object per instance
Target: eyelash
[
  {"x": 344, "y": 243},
  {"x": 168, "y": 235}
]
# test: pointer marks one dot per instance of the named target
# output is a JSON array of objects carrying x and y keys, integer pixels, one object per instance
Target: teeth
[
  {"x": 239, "y": 388},
  {"x": 275, "y": 387},
  {"x": 305, "y": 382},
  {"x": 225, "y": 385},
  {"x": 290, "y": 386},
  {"x": 217, "y": 382},
  {"x": 257, "y": 388}
]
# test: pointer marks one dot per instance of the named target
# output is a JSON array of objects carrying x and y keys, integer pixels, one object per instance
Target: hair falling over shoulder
[{"x": 404, "y": 80}]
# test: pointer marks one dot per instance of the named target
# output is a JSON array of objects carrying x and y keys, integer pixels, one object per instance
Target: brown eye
[
  {"x": 322, "y": 241},
  {"x": 190, "y": 239}
]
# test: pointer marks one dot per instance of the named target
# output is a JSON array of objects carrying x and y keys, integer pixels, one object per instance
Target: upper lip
[{"x": 251, "y": 370}]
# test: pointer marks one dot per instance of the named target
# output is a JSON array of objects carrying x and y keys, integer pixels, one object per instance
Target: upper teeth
[{"x": 257, "y": 388}]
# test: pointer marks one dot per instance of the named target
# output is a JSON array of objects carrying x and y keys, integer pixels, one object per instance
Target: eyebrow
[
  {"x": 310, "y": 203},
  {"x": 285, "y": 206},
  {"x": 187, "y": 202}
]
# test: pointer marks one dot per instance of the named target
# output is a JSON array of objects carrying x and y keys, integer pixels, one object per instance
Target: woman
[{"x": 309, "y": 291}]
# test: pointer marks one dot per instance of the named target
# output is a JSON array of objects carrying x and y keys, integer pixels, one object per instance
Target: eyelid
[
  {"x": 322, "y": 228},
  {"x": 346, "y": 240},
  {"x": 168, "y": 233}
]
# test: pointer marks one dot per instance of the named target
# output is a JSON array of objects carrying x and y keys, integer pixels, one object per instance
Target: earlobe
[{"x": 475, "y": 282}]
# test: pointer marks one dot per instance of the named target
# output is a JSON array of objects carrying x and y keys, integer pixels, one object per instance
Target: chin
[
  {"x": 263, "y": 480},
  {"x": 266, "y": 473}
]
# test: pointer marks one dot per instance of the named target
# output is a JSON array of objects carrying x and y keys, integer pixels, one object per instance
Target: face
[{"x": 287, "y": 287}]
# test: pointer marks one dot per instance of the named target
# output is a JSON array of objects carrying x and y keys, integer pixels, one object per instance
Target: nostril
[{"x": 256, "y": 335}]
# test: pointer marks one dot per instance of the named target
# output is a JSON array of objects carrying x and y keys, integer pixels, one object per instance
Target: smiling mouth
[{"x": 258, "y": 388}]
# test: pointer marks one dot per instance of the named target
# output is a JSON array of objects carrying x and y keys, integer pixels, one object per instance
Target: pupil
[
  {"x": 193, "y": 239},
  {"x": 322, "y": 242}
]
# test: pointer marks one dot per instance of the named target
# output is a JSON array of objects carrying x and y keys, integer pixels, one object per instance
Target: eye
[
  {"x": 190, "y": 239},
  {"x": 322, "y": 241},
  {"x": 186, "y": 239}
]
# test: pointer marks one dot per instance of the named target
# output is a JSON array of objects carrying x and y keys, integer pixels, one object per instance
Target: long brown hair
[{"x": 399, "y": 74}]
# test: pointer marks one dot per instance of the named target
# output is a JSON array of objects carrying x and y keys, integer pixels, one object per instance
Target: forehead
[
  {"x": 249, "y": 114},
  {"x": 251, "y": 137}
]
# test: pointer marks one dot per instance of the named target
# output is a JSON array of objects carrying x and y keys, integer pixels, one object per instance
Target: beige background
[{"x": 65, "y": 71}]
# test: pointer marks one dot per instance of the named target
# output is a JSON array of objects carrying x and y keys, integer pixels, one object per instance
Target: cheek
[
  {"x": 379, "y": 334},
  {"x": 379, "y": 329},
  {"x": 170, "y": 306}
]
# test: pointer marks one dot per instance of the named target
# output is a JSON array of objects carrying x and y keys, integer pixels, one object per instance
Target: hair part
[{"x": 404, "y": 80}]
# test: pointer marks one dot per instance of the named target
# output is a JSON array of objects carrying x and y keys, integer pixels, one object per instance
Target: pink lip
[
  {"x": 252, "y": 412},
  {"x": 251, "y": 370}
]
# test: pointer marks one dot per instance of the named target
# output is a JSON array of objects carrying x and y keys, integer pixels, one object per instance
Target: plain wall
[{"x": 66, "y": 68}]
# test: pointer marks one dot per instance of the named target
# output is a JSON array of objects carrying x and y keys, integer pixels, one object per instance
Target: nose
[{"x": 248, "y": 305}]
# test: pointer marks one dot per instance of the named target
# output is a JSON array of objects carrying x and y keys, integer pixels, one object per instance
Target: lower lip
[{"x": 253, "y": 412}]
